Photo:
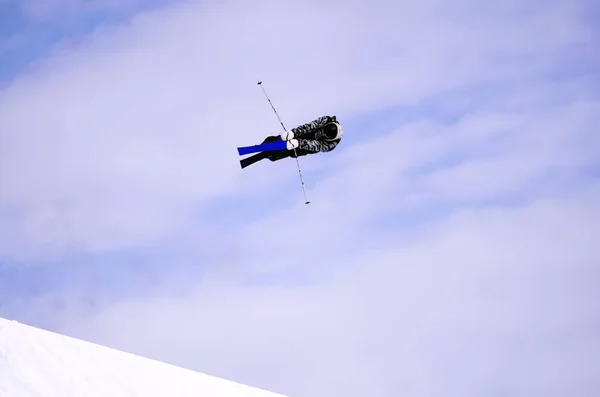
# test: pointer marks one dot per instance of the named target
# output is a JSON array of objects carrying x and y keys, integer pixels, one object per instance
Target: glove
[
  {"x": 293, "y": 144},
  {"x": 287, "y": 136}
]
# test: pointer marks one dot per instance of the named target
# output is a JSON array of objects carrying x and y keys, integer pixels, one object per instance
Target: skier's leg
[
  {"x": 282, "y": 154},
  {"x": 272, "y": 138},
  {"x": 279, "y": 155}
]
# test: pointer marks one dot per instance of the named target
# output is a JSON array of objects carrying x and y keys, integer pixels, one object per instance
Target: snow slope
[{"x": 36, "y": 363}]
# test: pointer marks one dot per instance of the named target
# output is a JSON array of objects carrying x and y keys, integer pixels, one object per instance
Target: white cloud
[
  {"x": 141, "y": 122},
  {"x": 480, "y": 300},
  {"x": 122, "y": 140}
]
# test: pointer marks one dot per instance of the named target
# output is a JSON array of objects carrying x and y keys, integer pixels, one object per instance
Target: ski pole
[{"x": 295, "y": 153}]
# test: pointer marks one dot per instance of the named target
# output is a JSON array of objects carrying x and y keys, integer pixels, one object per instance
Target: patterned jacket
[{"x": 309, "y": 136}]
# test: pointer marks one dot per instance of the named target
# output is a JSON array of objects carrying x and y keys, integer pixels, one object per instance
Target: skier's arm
[
  {"x": 314, "y": 146},
  {"x": 307, "y": 128}
]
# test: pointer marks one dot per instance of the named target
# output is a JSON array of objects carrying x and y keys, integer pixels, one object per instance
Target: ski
[
  {"x": 253, "y": 159},
  {"x": 277, "y": 145}
]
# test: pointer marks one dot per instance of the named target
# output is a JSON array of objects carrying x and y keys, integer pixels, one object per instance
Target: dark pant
[{"x": 277, "y": 155}]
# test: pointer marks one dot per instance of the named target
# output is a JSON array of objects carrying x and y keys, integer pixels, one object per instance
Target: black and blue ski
[
  {"x": 263, "y": 147},
  {"x": 253, "y": 159}
]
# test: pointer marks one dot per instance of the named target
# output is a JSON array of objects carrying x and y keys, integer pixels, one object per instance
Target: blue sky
[
  {"x": 30, "y": 29},
  {"x": 454, "y": 226}
]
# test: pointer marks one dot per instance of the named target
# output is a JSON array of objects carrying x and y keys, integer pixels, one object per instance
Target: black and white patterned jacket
[{"x": 309, "y": 136}]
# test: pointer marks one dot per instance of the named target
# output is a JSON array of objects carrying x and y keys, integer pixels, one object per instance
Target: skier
[{"x": 320, "y": 135}]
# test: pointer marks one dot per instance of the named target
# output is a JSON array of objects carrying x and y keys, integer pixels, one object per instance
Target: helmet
[{"x": 332, "y": 131}]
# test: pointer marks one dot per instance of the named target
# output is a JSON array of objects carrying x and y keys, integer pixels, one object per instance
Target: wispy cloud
[
  {"x": 33, "y": 30},
  {"x": 44, "y": 10},
  {"x": 449, "y": 246},
  {"x": 475, "y": 302}
]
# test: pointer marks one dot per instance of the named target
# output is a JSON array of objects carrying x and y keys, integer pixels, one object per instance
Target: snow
[{"x": 36, "y": 363}]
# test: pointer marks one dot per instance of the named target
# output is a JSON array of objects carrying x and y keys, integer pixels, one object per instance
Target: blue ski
[{"x": 277, "y": 145}]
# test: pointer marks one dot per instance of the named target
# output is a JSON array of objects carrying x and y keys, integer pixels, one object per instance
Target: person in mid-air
[{"x": 320, "y": 135}]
